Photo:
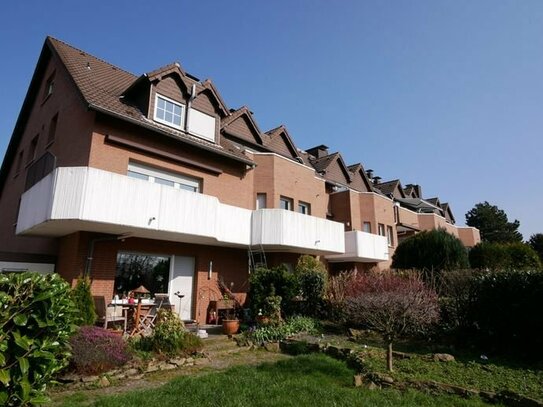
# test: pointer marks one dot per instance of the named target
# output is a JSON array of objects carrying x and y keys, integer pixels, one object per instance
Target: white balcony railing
[
  {"x": 277, "y": 228},
  {"x": 362, "y": 247},
  {"x": 71, "y": 199}
]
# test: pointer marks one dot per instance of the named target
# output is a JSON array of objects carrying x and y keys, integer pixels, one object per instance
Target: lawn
[{"x": 308, "y": 380}]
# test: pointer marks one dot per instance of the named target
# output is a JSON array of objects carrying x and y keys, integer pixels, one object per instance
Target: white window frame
[
  {"x": 368, "y": 224},
  {"x": 167, "y": 123},
  {"x": 179, "y": 180},
  {"x": 381, "y": 229},
  {"x": 288, "y": 201},
  {"x": 390, "y": 236},
  {"x": 304, "y": 208}
]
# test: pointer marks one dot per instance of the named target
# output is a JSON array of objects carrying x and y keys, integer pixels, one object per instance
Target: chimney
[
  {"x": 369, "y": 173},
  {"x": 376, "y": 180},
  {"x": 318, "y": 151}
]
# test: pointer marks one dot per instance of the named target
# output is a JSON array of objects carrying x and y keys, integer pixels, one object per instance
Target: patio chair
[{"x": 107, "y": 315}]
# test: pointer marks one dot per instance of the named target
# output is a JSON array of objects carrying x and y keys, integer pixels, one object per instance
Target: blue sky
[{"x": 446, "y": 94}]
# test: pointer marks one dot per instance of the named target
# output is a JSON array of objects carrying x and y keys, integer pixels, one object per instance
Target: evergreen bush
[
  {"x": 504, "y": 256},
  {"x": 312, "y": 280},
  {"x": 37, "y": 316},
  {"x": 431, "y": 250},
  {"x": 84, "y": 302},
  {"x": 264, "y": 281}
]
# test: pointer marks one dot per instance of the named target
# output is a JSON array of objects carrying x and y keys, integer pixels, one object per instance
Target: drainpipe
[
  {"x": 90, "y": 253},
  {"x": 189, "y": 104}
]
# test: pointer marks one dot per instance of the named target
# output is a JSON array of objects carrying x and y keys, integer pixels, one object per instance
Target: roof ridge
[{"x": 53, "y": 39}]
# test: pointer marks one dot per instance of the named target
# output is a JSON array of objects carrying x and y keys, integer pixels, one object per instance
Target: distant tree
[
  {"x": 493, "y": 224},
  {"x": 504, "y": 256},
  {"x": 392, "y": 305},
  {"x": 431, "y": 250},
  {"x": 536, "y": 241}
]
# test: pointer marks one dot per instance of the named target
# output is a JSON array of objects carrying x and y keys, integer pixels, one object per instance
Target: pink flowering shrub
[{"x": 96, "y": 350}]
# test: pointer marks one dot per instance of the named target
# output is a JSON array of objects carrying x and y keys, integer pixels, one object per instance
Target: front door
[{"x": 181, "y": 281}]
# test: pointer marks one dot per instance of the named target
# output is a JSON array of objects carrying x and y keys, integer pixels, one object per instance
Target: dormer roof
[
  {"x": 392, "y": 189},
  {"x": 241, "y": 124},
  {"x": 279, "y": 141},
  {"x": 359, "y": 178},
  {"x": 332, "y": 168}
]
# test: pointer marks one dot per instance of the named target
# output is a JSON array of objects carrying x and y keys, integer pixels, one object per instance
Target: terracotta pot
[{"x": 230, "y": 326}]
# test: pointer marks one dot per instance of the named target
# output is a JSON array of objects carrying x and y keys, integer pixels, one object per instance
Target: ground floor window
[{"x": 133, "y": 270}]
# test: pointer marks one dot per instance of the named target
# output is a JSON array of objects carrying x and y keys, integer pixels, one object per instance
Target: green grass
[{"x": 310, "y": 380}]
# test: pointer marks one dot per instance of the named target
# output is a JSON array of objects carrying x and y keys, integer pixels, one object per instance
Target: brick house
[{"x": 153, "y": 180}]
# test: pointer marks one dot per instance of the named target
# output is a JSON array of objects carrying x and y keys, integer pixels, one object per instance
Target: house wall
[
  {"x": 469, "y": 236},
  {"x": 230, "y": 265},
  {"x": 277, "y": 176},
  {"x": 233, "y": 186},
  {"x": 71, "y": 147}
]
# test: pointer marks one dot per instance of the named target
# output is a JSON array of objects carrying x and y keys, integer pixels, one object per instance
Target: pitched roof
[
  {"x": 433, "y": 201},
  {"x": 447, "y": 211},
  {"x": 359, "y": 178},
  {"x": 333, "y": 168},
  {"x": 391, "y": 188},
  {"x": 278, "y": 140},
  {"x": 102, "y": 86},
  {"x": 241, "y": 124}
]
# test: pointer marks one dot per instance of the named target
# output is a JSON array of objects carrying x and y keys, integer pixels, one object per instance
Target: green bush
[
  {"x": 312, "y": 280},
  {"x": 274, "y": 333},
  {"x": 504, "y": 256},
  {"x": 504, "y": 312},
  {"x": 431, "y": 250},
  {"x": 263, "y": 281},
  {"x": 37, "y": 318},
  {"x": 169, "y": 338},
  {"x": 84, "y": 302}
]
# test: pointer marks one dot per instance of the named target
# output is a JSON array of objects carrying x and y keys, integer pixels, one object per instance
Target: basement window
[{"x": 169, "y": 112}]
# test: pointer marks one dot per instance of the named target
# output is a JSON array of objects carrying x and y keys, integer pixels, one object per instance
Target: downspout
[{"x": 189, "y": 105}]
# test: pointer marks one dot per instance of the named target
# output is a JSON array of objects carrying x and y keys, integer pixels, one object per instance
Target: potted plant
[{"x": 230, "y": 323}]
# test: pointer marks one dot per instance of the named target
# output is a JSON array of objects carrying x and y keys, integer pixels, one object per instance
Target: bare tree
[{"x": 392, "y": 305}]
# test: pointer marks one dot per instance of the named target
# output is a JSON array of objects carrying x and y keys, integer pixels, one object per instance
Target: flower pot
[{"x": 230, "y": 326}]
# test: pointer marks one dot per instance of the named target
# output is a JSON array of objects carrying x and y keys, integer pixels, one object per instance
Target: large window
[
  {"x": 285, "y": 203},
  {"x": 169, "y": 112},
  {"x": 162, "y": 177},
  {"x": 150, "y": 271}
]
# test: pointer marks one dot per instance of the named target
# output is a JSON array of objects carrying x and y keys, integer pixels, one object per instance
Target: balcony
[
  {"x": 362, "y": 247},
  {"x": 72, "y": 199},
  {"x": 280, "y": 230}
]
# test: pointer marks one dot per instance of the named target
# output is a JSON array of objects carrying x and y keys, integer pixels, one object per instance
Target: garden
[{"x": 431, "y": 331}]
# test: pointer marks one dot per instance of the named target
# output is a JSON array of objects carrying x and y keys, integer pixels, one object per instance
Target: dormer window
[{"x": 169, "y": 112}]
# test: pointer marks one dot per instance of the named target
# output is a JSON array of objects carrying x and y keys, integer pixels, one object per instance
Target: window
[
  {"x": 304, "y": 207},
  {"x": 133, "y": 270},
  {"x": 49, "y": 86},
  {"x": 162, "y": 177},
  {"x": 285, "y": 203},
  {"x": 366, "y": 227},
  {"x": 260, "y": 201},
  {"x": 32, "y": 149},
  {"x": 52, "y": 129},
  {"x": 390, "y": 236},
  {"x": 169, "y": 112},
  {"x": 381, "y": 229}
]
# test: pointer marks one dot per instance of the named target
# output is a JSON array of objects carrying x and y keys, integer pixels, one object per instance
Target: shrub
[
  {"x": 84, "y": 302},
  {"x": 274, "y": 333},
  {"x": 312, "y": 279},
  {"x": 504, "y": 313},
  {"x": 504, "y": 256},
  {"x": 36, "y": 321},
  {"x": 96, "y": 350},
  {"x": 392, "y": 305},
  {"x": 262, "y": 280},
  {"x": 431, "y": 250},
  {"x": 336, "y": 293},
  {"x": 169, "y": 337}
]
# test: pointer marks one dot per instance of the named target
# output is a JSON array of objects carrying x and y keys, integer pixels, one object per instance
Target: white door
[{"x": 181, "y": 280}]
